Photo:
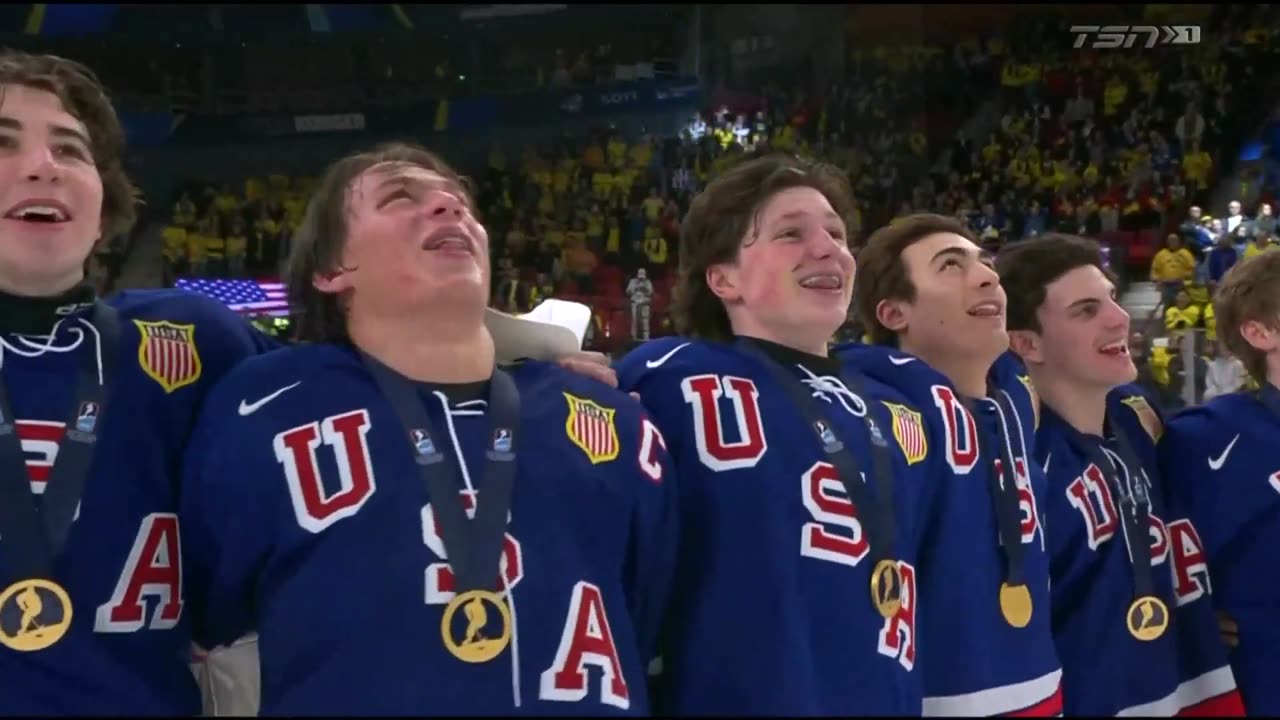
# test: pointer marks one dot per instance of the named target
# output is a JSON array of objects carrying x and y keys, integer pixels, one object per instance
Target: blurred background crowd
[{"x": 588, "y": 129}]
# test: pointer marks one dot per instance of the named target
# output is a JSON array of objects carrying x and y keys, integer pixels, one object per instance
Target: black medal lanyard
[
  {"x": 1003, "y": 486},
  {"x": 474, "y": 547},
  {"x": 878, "y": 523},
  {"x": 1133, "y": 502},
  {"x": 33, "y": 531}
]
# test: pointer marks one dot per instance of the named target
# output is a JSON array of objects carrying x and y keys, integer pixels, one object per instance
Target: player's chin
[{"x": 1116, "y": 372}]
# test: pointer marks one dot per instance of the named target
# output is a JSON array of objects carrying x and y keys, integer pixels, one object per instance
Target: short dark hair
[
  {"x": 84, "y": 98},
  {"x": 322, "y": 234},
  {"x": 1249, "y": 292},
  {"x": 720, "y": 216},
  {"x": 1028, "y": 267},
  {"x": 882, "y": 274}
]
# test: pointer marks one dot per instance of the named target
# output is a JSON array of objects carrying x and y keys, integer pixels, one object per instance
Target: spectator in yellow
[
  {"x": 1210, "y": 323},
  {"x": 175, "y": 247},
  {"x": 1196, "y": 165},
  {"x": 1172, "y": 266},
  {"x": 655, "y": 247},
  {"x": 1261, "y": 243},
  {"x": 612, "y": 236},
  {"x": 198, "y": 246},
  {"x": 237, "y": 248},
  {"x": 653, "y": 205},
  {"x": 580, "y": 262},
  {"x": 1183, "y": 315},
  {"x": 541, "y": 291}
]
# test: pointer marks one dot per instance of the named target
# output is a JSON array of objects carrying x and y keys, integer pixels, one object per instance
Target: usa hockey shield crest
[
  {"x": 167, "y": 353},
  {"x": 908, "y": 430},
  {"x": 591, "y": 428}
]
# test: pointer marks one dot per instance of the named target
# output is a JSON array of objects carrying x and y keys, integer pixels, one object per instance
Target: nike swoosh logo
[
  {"x": 251, "y": 408},
  {"x": 1218, "y": 462},
  {"x": 651, "y": 364},
  {"x": 900, "y": 360}
]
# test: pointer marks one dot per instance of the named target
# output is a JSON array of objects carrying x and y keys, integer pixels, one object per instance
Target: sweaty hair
[
  {"x": 321, "y": 236},
  {"x": 1027, "y": 268},
  {"x": 882, "y": 273},
  {"x": 85, "y": 99},
  {"x": 719, "y": 219},
  {"x": 1250, "y": 291}
]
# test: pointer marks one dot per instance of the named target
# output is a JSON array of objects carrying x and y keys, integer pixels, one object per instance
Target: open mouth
[
  {"x": 822, "y": 281},
  {"x": 449, "y": 239},
  {"x": 1115, "y": 349},
  {"x": 988, "y": 309},
  {"x": 39, "y": 211}
]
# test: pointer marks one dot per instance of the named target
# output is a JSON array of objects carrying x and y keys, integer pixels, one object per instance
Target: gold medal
[
  {"x": 1147, "y": 618},
  {"x": 1015, "y": 603},
  {"x": 475, "y": 646},
  {"x": 28, "y": 620},
  {"x": 886, "y": 588}
]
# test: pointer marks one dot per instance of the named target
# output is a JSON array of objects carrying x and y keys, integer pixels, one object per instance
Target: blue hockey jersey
[
  {"x": 1106, "y": 670},
  {"x": 309, "y": 523},
  {"x": 126, "y": 650},
  {"x": 771, "y": 611},
  {"x": 975, "y": 662},
  {"x": 1222, "y": 461}
]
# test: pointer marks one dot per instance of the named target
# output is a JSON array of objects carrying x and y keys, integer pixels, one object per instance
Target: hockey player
[
  {"x": 1222, "y": 460},
  {"x": 788, "y": 601},
  {"x": 1132, "y": 617},
  {"x": 97, "y": 399},
  {"x": 935, "y": 311},
  {"x": 326, "y": 480}
]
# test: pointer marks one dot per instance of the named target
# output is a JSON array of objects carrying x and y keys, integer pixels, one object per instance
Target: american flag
[{"x": 247, "y": 297}]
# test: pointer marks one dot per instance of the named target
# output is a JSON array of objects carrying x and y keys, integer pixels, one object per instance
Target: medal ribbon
[{"x": 33, "y": 530}]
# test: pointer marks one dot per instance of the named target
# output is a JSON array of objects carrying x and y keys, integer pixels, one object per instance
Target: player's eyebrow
[{"x": 59, "y": 131}]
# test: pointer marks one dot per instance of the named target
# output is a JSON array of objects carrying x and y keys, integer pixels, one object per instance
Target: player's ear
[
  {"x": 892, "y": 315},
  {"x": 1260, "y": 335},
  {"x": 331, "y": 282},
  {"x": 1026, "y": 345},
  {"x": 722, "y": 280}
]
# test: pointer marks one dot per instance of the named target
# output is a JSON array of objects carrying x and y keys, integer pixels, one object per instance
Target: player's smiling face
[
  {"x": 959, "y": 304},
  {"x": 793, "y": 278},
  {"x": 1084, "y": 332},
  {"x": 50, "y": 193},
  {"x": 412, "y": 239}
]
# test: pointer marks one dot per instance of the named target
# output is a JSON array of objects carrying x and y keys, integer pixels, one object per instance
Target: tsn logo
[
  {"x": 586, "y": 638},
  {"x": 833, "y": 533},
  {"x": 1090, "y": 494}
]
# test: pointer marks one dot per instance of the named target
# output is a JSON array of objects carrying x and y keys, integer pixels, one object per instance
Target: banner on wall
[{"x": 465, "y": 115}]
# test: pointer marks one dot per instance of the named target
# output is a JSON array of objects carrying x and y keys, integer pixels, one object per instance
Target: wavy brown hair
[{"x": 84, "y": 98}]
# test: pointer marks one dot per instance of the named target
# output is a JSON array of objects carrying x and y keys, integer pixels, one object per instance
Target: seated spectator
[{"x": 1182, "y": 315}]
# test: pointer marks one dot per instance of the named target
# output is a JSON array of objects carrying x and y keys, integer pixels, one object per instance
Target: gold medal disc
[
  {"x": 886, "y": 588},
  {"x": 34, "y": 614},
  {"x": 1148, "y": 618},
  {"x": 1015, "y": 604},
  {"x": 475, "y": 646}
]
